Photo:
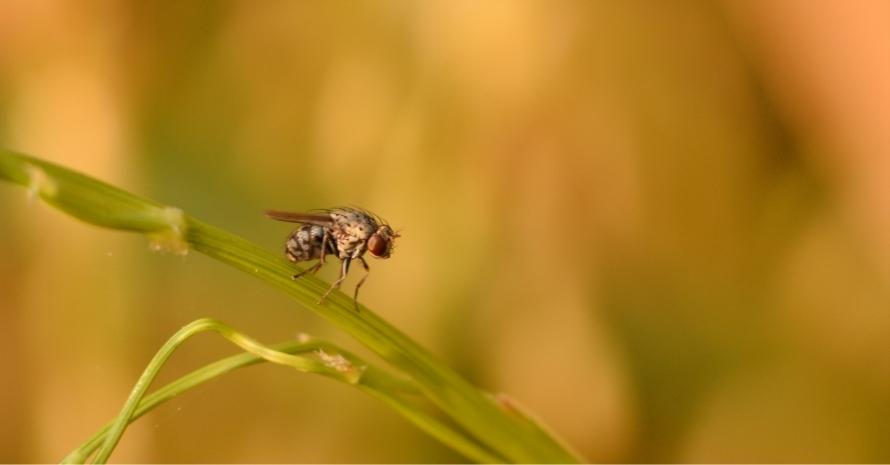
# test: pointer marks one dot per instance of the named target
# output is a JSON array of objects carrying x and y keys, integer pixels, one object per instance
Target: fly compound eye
[{"x": 378, "y": 246}]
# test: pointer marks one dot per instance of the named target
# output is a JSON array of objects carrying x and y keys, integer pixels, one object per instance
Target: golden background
[{"x": 664, "y": 227}]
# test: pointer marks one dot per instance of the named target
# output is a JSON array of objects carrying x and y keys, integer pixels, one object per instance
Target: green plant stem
[
  {"x": 303, "y": 364},
  {"x": 349, "y": 369},
  {"x": 177, "y": 387},
  {"x": 211, "y": 371},
  {"x": 515, "y": 438}
]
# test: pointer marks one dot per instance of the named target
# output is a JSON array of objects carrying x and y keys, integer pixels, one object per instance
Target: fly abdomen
[{"x": 305, "y": 243}]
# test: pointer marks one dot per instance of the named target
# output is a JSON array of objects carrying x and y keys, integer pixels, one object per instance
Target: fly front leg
[
  {"x": 344, "y": 269},
  {"x": 361, "y": 281}
]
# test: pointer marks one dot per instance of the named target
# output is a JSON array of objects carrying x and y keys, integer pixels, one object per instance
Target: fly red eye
[{"x": 378, "y": 246}]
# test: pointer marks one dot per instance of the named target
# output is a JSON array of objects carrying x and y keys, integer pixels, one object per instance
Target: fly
[{"x": 346, "y": 233}]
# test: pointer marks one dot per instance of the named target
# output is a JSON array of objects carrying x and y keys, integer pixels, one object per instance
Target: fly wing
[{"x": 320, "y": 219}]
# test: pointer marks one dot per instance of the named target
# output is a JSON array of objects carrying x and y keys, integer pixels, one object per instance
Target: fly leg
[
  {"x": 323, "y": 251},
  {"x": 344, "y": 269},
  {"x": 361, "y": 281},
  {"x": 324, "y": 245},
  {"x": 312, "y": 269}
]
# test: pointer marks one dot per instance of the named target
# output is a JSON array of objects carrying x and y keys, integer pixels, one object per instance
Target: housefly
[{"x": 346, "y": 233}]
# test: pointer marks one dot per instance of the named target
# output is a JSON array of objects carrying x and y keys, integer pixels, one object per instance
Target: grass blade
[{"x": 514, "y": 438}]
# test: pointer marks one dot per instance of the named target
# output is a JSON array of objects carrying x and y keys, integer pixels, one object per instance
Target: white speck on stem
[
  {"x": 335, "y": 361},
  {"x": 171, "y": 239},
  {"x": 303, "y": 338},
  {"x": 39, "y": 184},
  {"x": 176, "y": 219}
]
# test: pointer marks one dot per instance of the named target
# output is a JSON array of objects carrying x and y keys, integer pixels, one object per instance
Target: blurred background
[{"x": 664, "y": 227}]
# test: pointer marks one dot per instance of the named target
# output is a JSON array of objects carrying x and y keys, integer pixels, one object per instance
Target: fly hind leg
[
  {"x": 311, "y": 270},
  {"x": 324, "y": 245},
  {"x": 344, "y": 269},
  {"x": 323, "y": 250}
]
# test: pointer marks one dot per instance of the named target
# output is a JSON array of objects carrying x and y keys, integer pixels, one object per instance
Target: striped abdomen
[{"x": 305, "y": 243}]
